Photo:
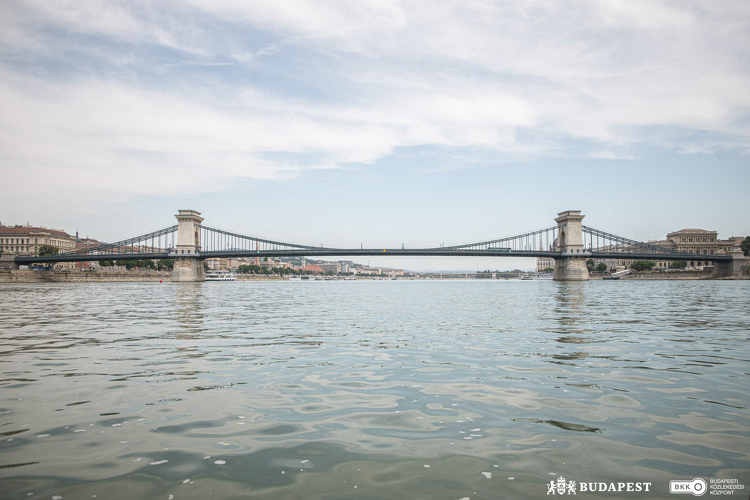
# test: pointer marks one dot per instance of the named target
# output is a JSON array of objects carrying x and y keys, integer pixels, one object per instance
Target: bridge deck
[{"x": 371, "y": 252}]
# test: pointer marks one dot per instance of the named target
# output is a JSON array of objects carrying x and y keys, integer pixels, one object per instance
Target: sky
[{"x": 376, "y": 122}]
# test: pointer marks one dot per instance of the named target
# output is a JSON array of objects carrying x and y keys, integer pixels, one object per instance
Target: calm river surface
[{"x": 379, "y": 389}]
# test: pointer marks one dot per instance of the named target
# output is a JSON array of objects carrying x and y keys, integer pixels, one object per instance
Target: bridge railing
[
  {"x": 219, "y": 240},
  {"x": 598, "y": 241},
  {"x": 539, "y": 240},
  {"x": 156, "y": 244}
]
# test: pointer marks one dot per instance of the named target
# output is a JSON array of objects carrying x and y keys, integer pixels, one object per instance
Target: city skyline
[{"x": 375, "y": 124}]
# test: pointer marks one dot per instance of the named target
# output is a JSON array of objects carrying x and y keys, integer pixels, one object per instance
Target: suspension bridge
[{"x": 569, "y": 243}]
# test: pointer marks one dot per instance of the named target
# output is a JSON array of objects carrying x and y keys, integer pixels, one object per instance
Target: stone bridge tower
[
  {"x": 188, "y": 265},
  {"x": 571, "y": 265}
]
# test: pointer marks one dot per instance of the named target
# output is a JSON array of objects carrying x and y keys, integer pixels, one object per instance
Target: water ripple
[{"x": 368, "y": 389}]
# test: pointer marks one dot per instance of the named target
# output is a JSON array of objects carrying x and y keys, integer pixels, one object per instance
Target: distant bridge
[{"x": 570, "y": 243}]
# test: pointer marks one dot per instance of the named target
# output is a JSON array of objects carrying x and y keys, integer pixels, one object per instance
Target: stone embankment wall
[
  {"x": 24, "y": 276},
  {"x": 260, "y": 277},
  {"x": 674, "y": 275}
]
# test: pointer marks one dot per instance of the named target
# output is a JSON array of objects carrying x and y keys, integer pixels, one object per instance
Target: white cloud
[
  {"x": 265, "y": 51},
  {"x": 358, "y": 80}
]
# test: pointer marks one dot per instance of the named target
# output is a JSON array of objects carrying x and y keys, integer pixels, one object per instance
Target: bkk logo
[
  {"x": 695, "y": 487},
  {"x": 562, "y": 487}
]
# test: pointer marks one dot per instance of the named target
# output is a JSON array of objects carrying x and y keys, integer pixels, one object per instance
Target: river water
[{"x": 371, "y": 389}]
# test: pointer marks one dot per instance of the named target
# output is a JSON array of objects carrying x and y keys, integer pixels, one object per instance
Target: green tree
[
  {"x": 165, "y": 264},
  {"x": 745, "y": 245},
  {"x": 642, "y": 265},
  {"x": 601, "y": 267},
  {"x": 106, "y": 263},
  {"x": 678, "y": 265},
  {"x": 48, "y": 250},
  {"x": 205, "y": 266},
  {"x": 590, "y": 264},
  {"x": 548, "y": 270}
]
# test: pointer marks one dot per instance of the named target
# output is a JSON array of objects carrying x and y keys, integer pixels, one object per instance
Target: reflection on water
[
  {"x": 369, "y": 389},
  {"x": 562, "y": 425}
]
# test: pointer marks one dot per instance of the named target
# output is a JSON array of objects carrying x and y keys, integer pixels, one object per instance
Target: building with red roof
[{"x": 313, "y": 268}]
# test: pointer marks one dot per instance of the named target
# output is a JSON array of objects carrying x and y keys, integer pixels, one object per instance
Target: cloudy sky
[{"x": 376, "y": 122}]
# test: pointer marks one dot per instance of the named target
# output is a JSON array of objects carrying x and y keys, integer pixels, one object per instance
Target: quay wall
[
  {"x": 29, "y": 276},
  {"x": 683, "y": 275},
  {"x": 676, "y": 275}
]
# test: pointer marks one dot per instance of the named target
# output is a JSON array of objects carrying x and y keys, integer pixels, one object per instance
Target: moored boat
[{"x": 220, "y": 276}]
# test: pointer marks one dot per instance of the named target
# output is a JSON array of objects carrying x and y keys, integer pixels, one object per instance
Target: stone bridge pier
[
  {"x": 571, "y": 265},
  {"x": 734, "y": 268},
  {"x": 188, "y": 266}
]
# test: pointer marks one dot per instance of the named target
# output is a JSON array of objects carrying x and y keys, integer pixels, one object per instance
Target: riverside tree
[
  {"x": 131, "y": 264},
  {"x": 642, "y": 265},
  {"x": 745, "y": 245},
  {"x": 48, "y": 250},
  {"x": 165, "y": 264}
]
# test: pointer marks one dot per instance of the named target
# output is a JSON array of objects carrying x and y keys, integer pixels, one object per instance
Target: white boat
[
  {"x": 220, "y": 276},
  {"x": 540, "y": 276},
  {"x": 295, "y": 278}
]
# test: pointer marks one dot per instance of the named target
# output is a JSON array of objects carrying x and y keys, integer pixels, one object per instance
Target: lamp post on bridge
[
  {"x": 571, "y": 265},
  {"x": 188, "y": 266}
]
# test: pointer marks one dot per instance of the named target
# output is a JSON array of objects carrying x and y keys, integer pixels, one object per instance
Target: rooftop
[
  {"x": 693, "y": 231},
  {"x": 32, "y": 229}
]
